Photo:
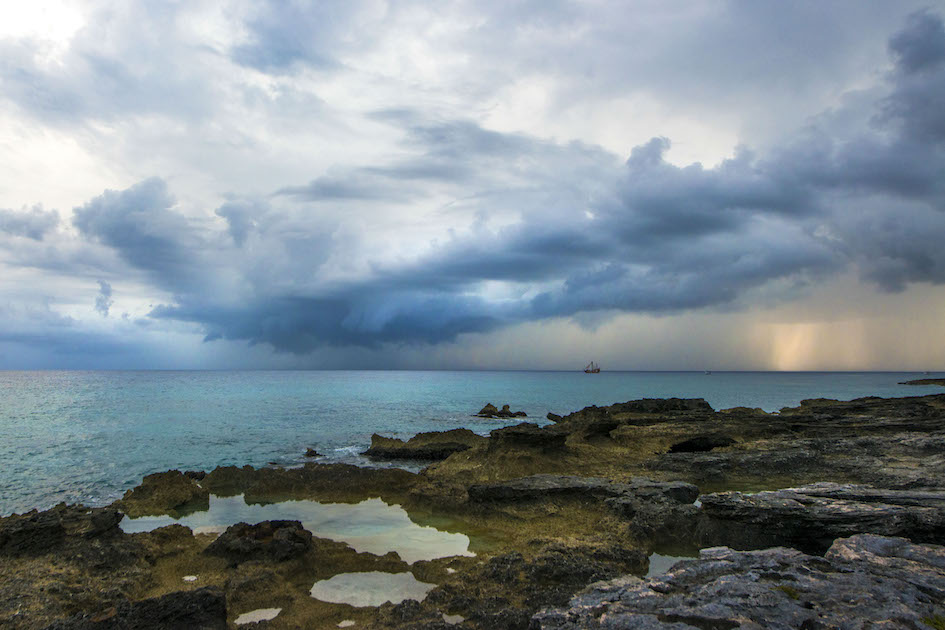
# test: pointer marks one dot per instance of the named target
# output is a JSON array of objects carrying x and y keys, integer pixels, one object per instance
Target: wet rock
[
  {"x": 40, "y": 532},
  {"x": 431, "y": 446},
  {"x": 701, "y": 444},
  {"x": 490, "y": 411},
  {"x": 862, "y": 581},
  {"x": 812, "y": 516},
  {"x": 201, "y": 609},
  {"x": 527, "y": 435},
  {"x": 170, "y": 492},
  {"x": 311, "y": 452},
  {"x": 270, "y": 540},
  {"x": 196, "y": 475}
]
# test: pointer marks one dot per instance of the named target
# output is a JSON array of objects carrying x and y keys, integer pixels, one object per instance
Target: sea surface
[{"x": 87, "y": 437}]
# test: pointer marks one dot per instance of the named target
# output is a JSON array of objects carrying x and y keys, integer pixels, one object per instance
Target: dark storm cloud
[
  {"x": 647, "y": 236},
  {"x": 141, "y": 225},
  {"x": 555, "y": 229},
  {"x": 33, "y": 223}
]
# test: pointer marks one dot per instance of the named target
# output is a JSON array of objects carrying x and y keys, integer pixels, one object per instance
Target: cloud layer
[{"x": 452, "y": 225}]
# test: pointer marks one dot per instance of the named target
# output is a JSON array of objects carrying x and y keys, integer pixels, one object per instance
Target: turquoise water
[{"x": 88, "y": 436}]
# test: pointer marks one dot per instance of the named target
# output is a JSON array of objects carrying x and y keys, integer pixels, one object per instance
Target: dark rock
[
  {"x": 196, "y": 475},
  {"x": 537, "y": 487},
  {"x": 201, "y": 609},
  {"x": 40, "y": 532},
  {"x": 527, "y": 435},
  {"x": 270, "y": 540},
  {"x": 311, "y": 452},
  {"x": 322, "y": 482},
  {"x": 490, "y": 411},
  {"x": 926, "y": 381},
  {"x": 861, "y": 582},
  {"x": 170, "y": 492},
  {"x": 812, "y": 516},
  {"x": 431, "y": 446},
  {"x": 701, "y": 444}
]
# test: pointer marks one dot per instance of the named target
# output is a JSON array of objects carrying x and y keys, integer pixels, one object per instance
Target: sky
[{"x": 534, "y": 184}]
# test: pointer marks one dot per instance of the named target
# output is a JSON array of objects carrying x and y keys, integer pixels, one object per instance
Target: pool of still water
[{"x": 371, "y": 526}]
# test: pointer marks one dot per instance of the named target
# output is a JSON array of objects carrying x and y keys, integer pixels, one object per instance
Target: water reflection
[
  {"x": 369, "y": 526},
  {"x": 370, "y": 588},
  {"x": 260, "y": 614}
]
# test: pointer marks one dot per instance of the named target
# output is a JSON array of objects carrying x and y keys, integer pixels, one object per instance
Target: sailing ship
[{"x": 592, "y": 368}]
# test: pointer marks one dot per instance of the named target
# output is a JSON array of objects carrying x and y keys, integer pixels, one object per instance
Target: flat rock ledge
[
  {"x": 863, "y": 581},
  {"x": 537, "y": 487},
  {"x": 811, "y": 517},
  {"x": 431, "y": 446}
]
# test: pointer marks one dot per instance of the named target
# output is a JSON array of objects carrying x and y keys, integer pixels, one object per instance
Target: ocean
[{"x": 87, "y": 436}]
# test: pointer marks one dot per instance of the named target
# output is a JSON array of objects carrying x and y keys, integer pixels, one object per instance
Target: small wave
[{"x": 349, "y": 450}]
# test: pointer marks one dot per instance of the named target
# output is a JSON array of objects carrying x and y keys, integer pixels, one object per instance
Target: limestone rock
[
  {"x": 527, "y": 435},
  {"x": 270, "y": 540},
  {"x": 812, "y": 516},
  {"x": 431, "y": 446},
  {"x": 40, "y": 532},
  {"x": 863, "y": 581},
  {"x": 201, "y": 609},
  {"x": 490, "y": 411},
  {"x": 537, "y": 487},
  {"x": 171, "y": 492}
]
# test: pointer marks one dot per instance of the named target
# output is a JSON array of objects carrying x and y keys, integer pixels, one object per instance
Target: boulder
[
  {"x": 311, "y": 452},
  {"x": 812, "y": 516},
  {"x": 200, "y": 609},
  {"x": 276, "y": 541},
  {"x": 863, "y": 581},
  {"x": 171, "y": 492}
]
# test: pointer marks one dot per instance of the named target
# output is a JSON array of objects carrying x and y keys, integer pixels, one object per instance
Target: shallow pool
[{"x": 371, "y": 526}]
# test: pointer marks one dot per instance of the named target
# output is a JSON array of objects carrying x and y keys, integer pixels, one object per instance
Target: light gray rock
[
  {"x": 812, "y": 516},
  {"x": 863, "y": 582}
]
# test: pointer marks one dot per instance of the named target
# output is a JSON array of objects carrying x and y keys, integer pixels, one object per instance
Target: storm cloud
[{"x": 452, "y": 226}]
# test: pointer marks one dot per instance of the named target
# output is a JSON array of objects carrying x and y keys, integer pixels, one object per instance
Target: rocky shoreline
[{"x": 829, "y": 514}]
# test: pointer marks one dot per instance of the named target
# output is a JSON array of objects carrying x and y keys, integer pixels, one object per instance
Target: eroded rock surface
[
  {"x": 863, "y": 580},
  {"x": 537, "y": 487},
  {"x": 431, "y": 446},
  {"x": 270, "y": 540},
  {"x": 202, "y": 609},
  {"x": 811, "y": 517},
  {"x": 170, "y": 492}
]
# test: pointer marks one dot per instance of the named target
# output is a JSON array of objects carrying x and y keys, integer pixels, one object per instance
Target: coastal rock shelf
[
  {"x": 889, "y": 582},
  {"x": 531, "y": 527},
  {"x": 811, "y": 517}
]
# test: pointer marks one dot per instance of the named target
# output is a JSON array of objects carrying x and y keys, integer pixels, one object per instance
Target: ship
[{"x": 592, "y": 368}]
